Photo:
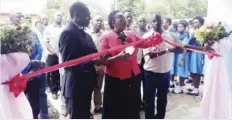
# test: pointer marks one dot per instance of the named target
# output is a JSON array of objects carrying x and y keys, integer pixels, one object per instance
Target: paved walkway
[{"x": 180, "y": 106}]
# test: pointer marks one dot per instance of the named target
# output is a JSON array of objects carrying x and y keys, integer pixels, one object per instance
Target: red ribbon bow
[{"x": 17, "y": 84}]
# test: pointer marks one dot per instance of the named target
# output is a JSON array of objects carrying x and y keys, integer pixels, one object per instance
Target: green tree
[
  {"x": 137, "y": 6},
  {"x": 178, "y": 9}
]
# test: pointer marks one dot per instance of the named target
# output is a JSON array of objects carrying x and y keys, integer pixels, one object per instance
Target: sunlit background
[{"x": 176, "y": 9}]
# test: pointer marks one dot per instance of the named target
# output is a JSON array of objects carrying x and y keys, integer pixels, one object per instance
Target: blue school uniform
[
  {"x": 196, "y": 59},
  {"x": 181, "y": 71}
]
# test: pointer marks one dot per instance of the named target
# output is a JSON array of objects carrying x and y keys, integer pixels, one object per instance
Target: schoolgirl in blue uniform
[
  {"x": 181, "y": 58},
  {"x": 196, "y": 59}
]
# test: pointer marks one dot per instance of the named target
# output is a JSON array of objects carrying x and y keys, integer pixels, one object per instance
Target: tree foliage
[
  {"x": 178, "y": 9},
  {"x": 137, "y": 6}
]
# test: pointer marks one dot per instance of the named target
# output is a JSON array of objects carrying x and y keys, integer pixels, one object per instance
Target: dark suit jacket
[{"x": 75, "y": 43}]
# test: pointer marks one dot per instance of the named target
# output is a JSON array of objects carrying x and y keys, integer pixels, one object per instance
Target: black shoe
[
  {"x": 98, "y": 110},
  {"x": 193, "y": 93},
  {"x": 189, "y": 81},
  {"x": 91, "y": 116},
  {"x": 172, "y": 86},
  {"x": 142, "y": 107},
  {"x": 202, "y": 82}
]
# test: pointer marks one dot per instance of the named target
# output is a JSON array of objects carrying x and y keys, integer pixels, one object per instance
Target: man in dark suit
[{"x": 79, "y": 80}]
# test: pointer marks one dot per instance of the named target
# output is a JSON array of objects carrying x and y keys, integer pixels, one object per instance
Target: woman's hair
[
  {"x": 169, "y": 20},
  {"x": 200, "y": 19},
  {"x": 190, "y": 22},
  {"x": 111, "y": 18},
  {"x": 184, "y": 23},
  {"x": 174, "y": 24}
]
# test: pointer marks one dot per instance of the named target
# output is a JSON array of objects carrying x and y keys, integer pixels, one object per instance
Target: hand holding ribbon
[{"x": 18, "y": 84}]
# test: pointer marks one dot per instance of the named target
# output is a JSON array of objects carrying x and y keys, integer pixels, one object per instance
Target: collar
[
  {"x": 78, "y": 26},
  {"x": 93, "y": 32},
  {"x": 54, "y": 25}
]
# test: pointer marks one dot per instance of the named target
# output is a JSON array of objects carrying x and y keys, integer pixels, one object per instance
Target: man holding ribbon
[
  {"x": 79, "y": 80},
  {"x": 157, "y": 66}
]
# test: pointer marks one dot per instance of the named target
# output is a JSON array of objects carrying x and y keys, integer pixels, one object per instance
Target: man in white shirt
[
  {"x": 157, "y": 66},
  {"x": 142, "y": 23},
  {"x": 51, "y": 37}
]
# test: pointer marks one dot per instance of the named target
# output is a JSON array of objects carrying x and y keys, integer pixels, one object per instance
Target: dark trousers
[
  {"x": 80, "y": 102},
  {"x": 121, "y": 99},
  {"x": 157, "y": 84},
  {"x": 32, "y": 93},
  {"x": 43, "y": 98},
  {"x": 35, "y": 93},
  {"x": 97, "y": 95},
  {"x": 53, "y": 78},
  {"x": 142, "y": 78}
]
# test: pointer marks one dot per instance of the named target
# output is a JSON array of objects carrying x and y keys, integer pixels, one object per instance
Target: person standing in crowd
[
  {"x": 142, "y": 23},
  {"x": 167, "y": 24},
  {"x": 121, "y": 99},
  {"x": 96, "y": 32},
  {"x": 36, "y": 85},
  {"x": 181, "y": 58},
  {"x": 50, "y": 40},
  {"x": 196, "y": 59},
  {"x": 44, "y": 20},
  {"x": 190, "y": 28},
  {"x": 157, "y": 66},
  {"x": 173, "y": 27},
  {"x": 79, "y": 80},
  {"x": 28, "y": 17},
  {"x": 42, "y": 87},
  {"x": 106, "y": 26},
  {"x": 33, "y": 86},
  {"x": 128, "y": 14},
  {"x": 148, "y": 27}
]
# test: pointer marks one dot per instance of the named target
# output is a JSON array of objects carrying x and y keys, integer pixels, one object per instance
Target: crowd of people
[{"x": 121, "y": 75}]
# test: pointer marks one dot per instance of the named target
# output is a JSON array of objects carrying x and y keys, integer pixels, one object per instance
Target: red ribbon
[
  {"x": 18, "y": 83},
  {"x": 209, "y": 54}
]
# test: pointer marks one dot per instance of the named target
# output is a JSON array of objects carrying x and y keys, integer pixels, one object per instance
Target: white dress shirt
[
  {"x": 52, "y": 35},
  {"x": 163, "y": 63}
]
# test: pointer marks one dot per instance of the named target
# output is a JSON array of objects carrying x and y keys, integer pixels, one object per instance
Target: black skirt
[{"x": 121, "y": 98}]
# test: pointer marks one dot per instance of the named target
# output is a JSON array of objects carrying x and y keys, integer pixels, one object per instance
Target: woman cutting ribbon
[{"x": 122, "y": 85}]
